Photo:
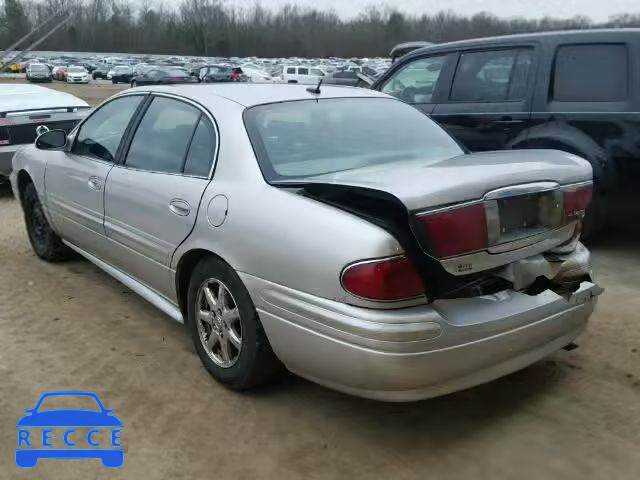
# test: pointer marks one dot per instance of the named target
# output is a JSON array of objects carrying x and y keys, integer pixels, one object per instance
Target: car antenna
[{"x": 316, "y": 89}]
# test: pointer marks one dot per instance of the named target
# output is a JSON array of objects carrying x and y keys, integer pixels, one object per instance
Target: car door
[
  {"x": 489, "y": 102},
  {"x": 75, "y": 179},
  {"x": 420, "y": 81},
  {"x": 152, "y": 199}
]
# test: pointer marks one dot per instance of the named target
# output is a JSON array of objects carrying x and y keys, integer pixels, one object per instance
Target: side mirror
[{"x": 52, "y": 140}]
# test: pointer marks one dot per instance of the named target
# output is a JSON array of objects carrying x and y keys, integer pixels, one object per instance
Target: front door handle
[
  {"x": 180, "y": 207},
  {"x": 95, "y": 183}
]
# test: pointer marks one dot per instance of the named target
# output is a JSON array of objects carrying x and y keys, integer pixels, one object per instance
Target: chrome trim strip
[
  {"x": 157, "y": 300},
  {"x": 521, "y": 189}
]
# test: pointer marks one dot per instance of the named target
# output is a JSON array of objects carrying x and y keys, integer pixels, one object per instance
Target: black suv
[{"x": 575, "y": 91}]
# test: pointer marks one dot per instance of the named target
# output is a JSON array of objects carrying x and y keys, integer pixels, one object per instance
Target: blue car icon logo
[{"x": 34, "y": 444}]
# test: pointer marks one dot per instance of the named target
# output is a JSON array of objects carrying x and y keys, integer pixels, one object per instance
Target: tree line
[{"x": 213, "y": 28}]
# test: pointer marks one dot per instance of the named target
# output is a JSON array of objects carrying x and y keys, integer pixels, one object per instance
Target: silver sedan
[{"x": 336, "y": 232}]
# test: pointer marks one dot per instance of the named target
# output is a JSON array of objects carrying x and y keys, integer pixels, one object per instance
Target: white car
[
  {"x": 301, "y": 74},
  {"x": 77, "y": 74},
  {"x": 256, "y": 75}
]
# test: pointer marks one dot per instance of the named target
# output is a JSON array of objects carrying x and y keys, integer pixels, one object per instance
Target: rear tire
[
  {"x": 254, "y": 363},
  {"x": 45, "y": 242}
]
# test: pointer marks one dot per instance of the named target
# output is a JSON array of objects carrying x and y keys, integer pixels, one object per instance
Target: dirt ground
[{"x": 71, "y": 327}]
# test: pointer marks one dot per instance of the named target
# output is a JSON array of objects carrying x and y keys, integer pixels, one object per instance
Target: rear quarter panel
[{"x": 275, "y": 234}]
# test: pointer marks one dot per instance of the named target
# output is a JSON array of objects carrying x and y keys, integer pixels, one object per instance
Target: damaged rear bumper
[{"x": 419, "y": 352}]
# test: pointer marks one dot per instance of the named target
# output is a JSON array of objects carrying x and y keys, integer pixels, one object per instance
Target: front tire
[
  {"x": 226, "y": 329},
  {"x": 134, "y": 84},
  {"x": 45, "y": 242}
]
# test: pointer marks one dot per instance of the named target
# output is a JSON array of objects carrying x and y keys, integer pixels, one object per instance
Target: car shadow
[{"x": 437, "y": 421}]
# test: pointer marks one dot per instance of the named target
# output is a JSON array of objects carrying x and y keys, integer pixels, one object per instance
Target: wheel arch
[
  {"x": 184, "y": 269},
  {"x": 564, "y": 137},
  {"x": 23, "y": 179}
]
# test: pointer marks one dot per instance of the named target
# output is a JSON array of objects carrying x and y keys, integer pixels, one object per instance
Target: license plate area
[{"x": 518, "y": 217}]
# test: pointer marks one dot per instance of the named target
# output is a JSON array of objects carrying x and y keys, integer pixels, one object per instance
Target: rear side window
[
  {"x": 491, "y": 76},
  {"x": 201, "y": 150},
  {"x": 163, "y": 136},
  {"x": 591, "y": 73},
  {"x": 303, "y": 71}
]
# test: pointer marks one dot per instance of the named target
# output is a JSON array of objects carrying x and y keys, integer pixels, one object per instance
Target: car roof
[
  {"x": 604, "y": 34},
  {"x": 251, "y": 94}
]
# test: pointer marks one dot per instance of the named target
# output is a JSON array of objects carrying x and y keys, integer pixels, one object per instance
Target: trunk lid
[
  {"x": 420, "y": 186},
  {"x": 519, "y": 197}
]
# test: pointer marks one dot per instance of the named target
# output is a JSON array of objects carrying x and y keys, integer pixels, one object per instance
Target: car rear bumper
[
  {"x": 6, "y": 155},
  {"x": 420, "y": 352}
]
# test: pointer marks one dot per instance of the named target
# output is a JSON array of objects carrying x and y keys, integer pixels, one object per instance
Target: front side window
[
  {"x": 310, "y": 138},
  {"x": 491, "y": 76},
  {"x": 101, "y": 133},
  {"x": 591, "y": 73},
  {"x": 291, "y": 70},
  {"x": 316, "y": 72},
  {"x": 415, "y": 82},
  {"x": 162, "y": 138}
]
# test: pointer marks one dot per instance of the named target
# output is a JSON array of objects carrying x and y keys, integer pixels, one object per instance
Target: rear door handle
[
  {"x": 95, "y": 183},
  {"x": 180, "y": 207}
]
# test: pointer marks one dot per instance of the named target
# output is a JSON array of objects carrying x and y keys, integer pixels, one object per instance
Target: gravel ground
[{"x": 69, "y": 326}]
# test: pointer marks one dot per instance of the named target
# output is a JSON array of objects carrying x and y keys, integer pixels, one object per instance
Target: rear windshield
[{"x": 308, "y": 138}]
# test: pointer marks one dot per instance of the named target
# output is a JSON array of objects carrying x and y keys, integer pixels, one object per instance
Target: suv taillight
[
  {"x": 576, "y": 201},
  {"x": 383, "y": 280},
  {"x": 457, "y": 231}
]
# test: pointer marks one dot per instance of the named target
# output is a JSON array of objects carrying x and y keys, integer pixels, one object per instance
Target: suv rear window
[{"x": 591, "y": 73}]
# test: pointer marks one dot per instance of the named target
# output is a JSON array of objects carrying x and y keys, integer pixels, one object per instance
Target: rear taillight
[
  {"x": 576, "y": 201},
  {"x": 389, "y": 279},
  {"x": 457, "y": 231}
]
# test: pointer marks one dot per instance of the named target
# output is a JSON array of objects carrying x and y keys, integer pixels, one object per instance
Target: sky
[{"x": 598, "y": 10}]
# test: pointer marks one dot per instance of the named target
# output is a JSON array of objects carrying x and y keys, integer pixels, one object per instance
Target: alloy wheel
[{"x": 218, "y": 323}]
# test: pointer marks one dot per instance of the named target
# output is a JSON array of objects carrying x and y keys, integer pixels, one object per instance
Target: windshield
[
  {"x": 76, "y": 70},
  {"x": 122, "y": 69},
  {"x": 37, "y": 68},
  {"x": 308, "y": 138}
]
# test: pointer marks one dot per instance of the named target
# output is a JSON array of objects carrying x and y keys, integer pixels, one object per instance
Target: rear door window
[
  {"x": 163, "y": 136},
  {"x": 591, "y": 73},
  {"x": 201, "y": 150},
  {"x": 303, "y": 71},
  {"x": 491, "y": 76}
]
